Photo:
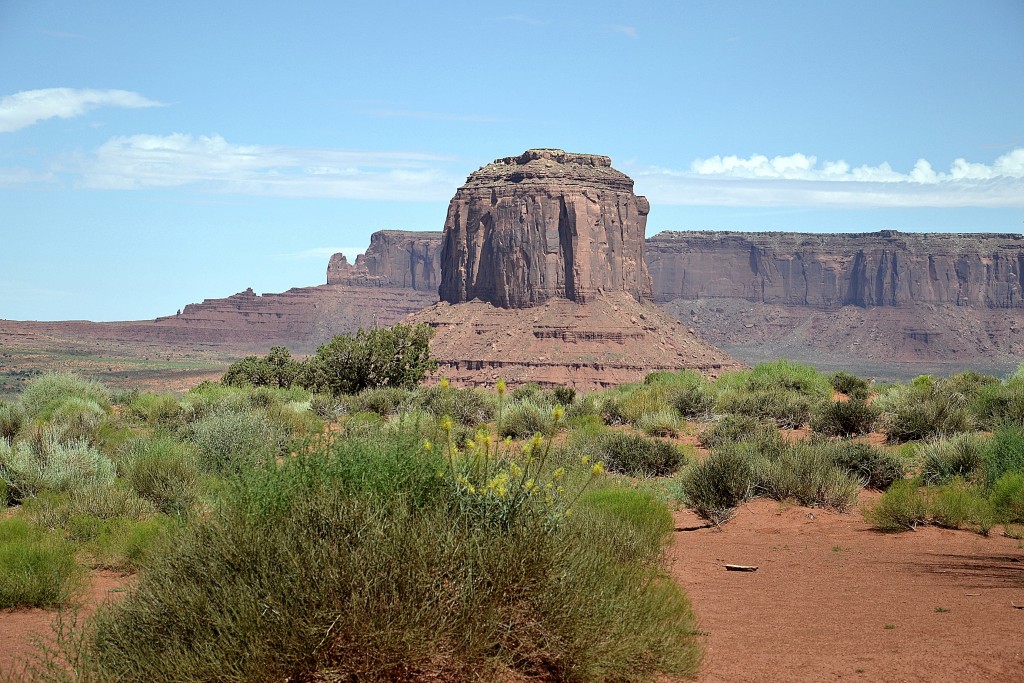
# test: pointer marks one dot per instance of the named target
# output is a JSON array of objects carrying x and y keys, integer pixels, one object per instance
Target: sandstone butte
[{"x": 543, "y": 280}]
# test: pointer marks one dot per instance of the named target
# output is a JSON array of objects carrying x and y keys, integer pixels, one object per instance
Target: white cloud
[
  {"x": 799, "y": 179},
  {"x": 628, "y": 31},
  {"x": 20, "y": 177},
  {"x": 24, "y": 108},
  {"x": 212, "y": 164}
]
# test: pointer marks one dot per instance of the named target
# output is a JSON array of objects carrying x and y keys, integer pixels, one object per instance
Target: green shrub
[
  {"x": 629, "y": 404},
  {"x": 714, "y": 487},
  {"x": 997, "y": 404},
  {"x": 46, "y": 393},
  {"x": 12, "y": 417},
  {"x": 734, "y": 428},
  {"x": 958, "y": 506},
  {"x": 528, "y": 391},
  {"x": 353, "y": 565},
  {"x": 327, "y": 407},
  {"x": 638, "y": 519},
  {"x": 563, "y": 396},
  {"x": 925, "y": 408},
  {"x": 384, "y": 401},
  {"x": 523, "y": 418},
  {"x": 163, "y": 471},
  {"x": 959, "y": 456},
  {"x": 1005, "y": 453},
  {"x": 686, "y": 391},
  {"x": 844, "y": 418},
  {"x": 901, "y": 508},
  {"x": 875, "y": 467},
  {"x": 37, "y": 568},
  {"x": 637, "y": 455},
  {"x": 469, "y": 407},
  {"x": 850, "y": 384},
  {"x": 157, "y": 410},
  {"x": 276, "y": 369},
  {"x": 1007, "y": 498},
  {"x": 396, "y": 356},
  {"x": 784, "y": 407},
  {"x": 230, "y": 442},
  {"x": 781, "y": 375},
  {"x": 808, "y": 474},
  {"x": 126, "y": 545},
  {"x": 46, "y": 464},
  {"x": 662, "y": 423}
]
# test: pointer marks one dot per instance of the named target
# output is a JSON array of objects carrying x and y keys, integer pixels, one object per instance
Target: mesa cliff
[{"x": 543, "y": 280}]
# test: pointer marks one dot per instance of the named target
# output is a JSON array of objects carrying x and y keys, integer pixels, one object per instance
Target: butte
[{"x": 543, "y": 280}]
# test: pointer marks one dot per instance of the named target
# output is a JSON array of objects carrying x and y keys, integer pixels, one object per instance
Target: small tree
[
  {"x": 398, "y": 356},
  {"x": 276, "y": 369}
]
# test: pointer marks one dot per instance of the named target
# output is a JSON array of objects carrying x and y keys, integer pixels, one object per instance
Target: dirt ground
[
  {"x": 833, "y": 600},
  {"x": 19, "y": 628}
]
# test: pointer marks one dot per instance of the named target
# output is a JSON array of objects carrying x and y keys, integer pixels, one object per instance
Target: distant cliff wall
[
  {"x": 395, "y": 258},
  {"x": 828, "y": 271}
]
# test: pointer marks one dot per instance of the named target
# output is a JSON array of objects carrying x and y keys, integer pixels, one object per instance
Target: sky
[{"x": 156, "y": 154}]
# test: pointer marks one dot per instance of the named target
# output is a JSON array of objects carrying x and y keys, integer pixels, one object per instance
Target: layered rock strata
[
  {"x": 543, "y": 280},
  {"x": 541, "y": 225}
]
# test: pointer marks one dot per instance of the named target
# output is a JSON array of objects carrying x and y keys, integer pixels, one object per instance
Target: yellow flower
[
  {"x": 598, "y": 467},
  {"x": 558, "y": 412},
  {"x": 585, "y": 460},
  {"x": 501, "y": 387},
  {"x": 558, "y": 474},
  {"x": 445, "y": 383},
  {"x": 568, "y": 512},
  {"x": 536, "y": 441},
  {"x": 427, "y": 446},
  {"x": 470, "y": 443},
  {"x": 516, "y": 470},
  {"x": 446, "y": 423},
  {"x": 560, "y": 490}
]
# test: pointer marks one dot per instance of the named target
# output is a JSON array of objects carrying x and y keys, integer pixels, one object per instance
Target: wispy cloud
[
  {"x": 214, "y": 165},
  {"x": 799, "y": 180},
  {"x": 628, "y": 31},
  {"x": 22, "y": 109},
  {"x": 23, "y": 177}
]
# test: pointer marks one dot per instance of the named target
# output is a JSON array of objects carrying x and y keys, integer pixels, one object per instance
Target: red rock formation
[
  {"x": 543, "y": 280},
  {"x": 544, "y": 224},
  {"x": 395, "y": 258},
  {"x": 828, "y": 271}
]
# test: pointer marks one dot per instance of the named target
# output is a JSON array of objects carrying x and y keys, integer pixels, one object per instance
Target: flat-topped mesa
[{"x": 545, "y": 224}]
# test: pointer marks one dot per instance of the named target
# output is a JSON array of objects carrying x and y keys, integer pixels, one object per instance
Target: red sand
[{"x": 834, "y": 600}]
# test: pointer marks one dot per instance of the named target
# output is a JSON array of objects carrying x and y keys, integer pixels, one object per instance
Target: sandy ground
[
  {"x": 833, "y": 600},
  {"x": 20, "y": 628}
]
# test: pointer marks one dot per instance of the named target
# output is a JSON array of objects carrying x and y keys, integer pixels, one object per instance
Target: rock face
[
  {"x": 543, "y": 280},
  {"x": 541, "y": 225},
  {"x": 829, "y": 271},
  {"x": 395, "y": 258}
]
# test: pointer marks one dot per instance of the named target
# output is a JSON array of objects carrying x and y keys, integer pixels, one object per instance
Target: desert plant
[
  {"x": 924, "y": 408},
  {"x": 37, "y": 568},
  {"x": 46, "y": 393},
  {"x": 853, "y": 386},
  {"x": 808, "y": 474},
  {"x": 637, "y": 455},
  {"x": 875, "y": 467},
  {"x": 901, "y": 508},
  {"x": 734, "y": 428},
  {"x": 523, "y": 418},
  {"x": 164, "y": 471},
  {"x": 229, "y": 442},
  {"x": 1005, "y": 453},
  {"x": 1007, "y": 498},
  {"x": 12, "y": 417},
  {"x": 957, "y": 506},
  {"x": 662, "y": 423},
  {"x": 47, "y": 464},
  {"x": 327, "y": 407},
  {"x": 470, "y": 406},
  {"x": 714, "y": 487},
  {"x": 563, "y": 396},
  {"x": 353, "y": 564},
  {"x": 943, "y": 460},
  {"x": 844, "y": 418},
  {"x": 276, "y": 369},
  {"x": 398, "y": 356}
]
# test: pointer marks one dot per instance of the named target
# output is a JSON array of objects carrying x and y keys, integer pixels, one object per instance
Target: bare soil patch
[
  {"x": 21, "y": 628},
  {"x": 833, "y": 600}
]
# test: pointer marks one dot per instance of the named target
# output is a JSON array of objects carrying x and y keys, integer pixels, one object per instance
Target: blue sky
[{"x": 154, "y": 154}]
